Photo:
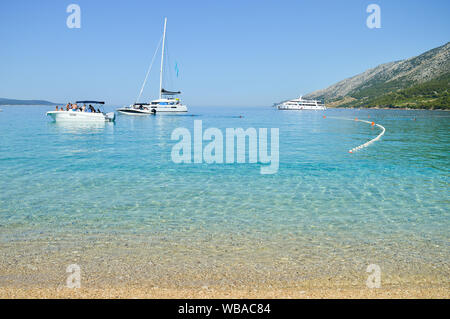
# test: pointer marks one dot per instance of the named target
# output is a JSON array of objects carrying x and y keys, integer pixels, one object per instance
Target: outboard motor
[{"x": 111, "y": 116}]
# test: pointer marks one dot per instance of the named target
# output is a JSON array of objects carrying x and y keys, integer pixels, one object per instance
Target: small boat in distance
[
  {"x": 82, "y": 113},
  {"x": 167, "y": 102},
  {"x": 301, "y": 104}
]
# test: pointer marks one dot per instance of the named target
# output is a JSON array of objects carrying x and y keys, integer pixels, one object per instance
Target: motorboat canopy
[{"x": 90, "y": 102}]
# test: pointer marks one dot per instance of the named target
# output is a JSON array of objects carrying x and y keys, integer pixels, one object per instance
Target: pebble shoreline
[{"x": 161, "y": 293}]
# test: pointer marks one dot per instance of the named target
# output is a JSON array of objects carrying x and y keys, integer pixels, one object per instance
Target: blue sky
[{"x": 230, "y": 53}]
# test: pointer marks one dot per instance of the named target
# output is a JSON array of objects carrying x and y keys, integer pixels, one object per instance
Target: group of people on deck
[{"x": 76, "y": 108}]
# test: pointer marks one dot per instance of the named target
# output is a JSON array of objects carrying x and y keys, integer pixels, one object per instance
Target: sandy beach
[
  {"x": 128, "y": 269},
  {"x": 160, "y": 293}
]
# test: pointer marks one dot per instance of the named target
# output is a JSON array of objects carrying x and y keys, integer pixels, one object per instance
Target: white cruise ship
[{"x": 301, "y": 104}]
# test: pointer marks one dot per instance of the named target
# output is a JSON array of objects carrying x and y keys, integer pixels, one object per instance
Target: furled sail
[{"x": 165, "y": 92}]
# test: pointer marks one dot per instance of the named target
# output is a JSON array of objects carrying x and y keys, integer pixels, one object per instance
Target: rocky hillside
[{"x": 418, "y": 82}]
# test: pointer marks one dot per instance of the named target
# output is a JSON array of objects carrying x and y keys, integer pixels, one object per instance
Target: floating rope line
[
  {"x": 355, "y": 149},
  {"x": 372, "y": 140}
]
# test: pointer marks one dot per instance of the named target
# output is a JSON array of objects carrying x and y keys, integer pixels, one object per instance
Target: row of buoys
[
  {"x": 372, "y": 140},
  {"x": 373, "y": 124}
]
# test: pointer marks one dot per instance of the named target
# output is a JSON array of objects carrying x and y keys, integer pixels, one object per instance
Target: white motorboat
[
  {"x": 83, "y": 114},
  {"x": 302, "y": 104},
  {"x": 167, "y": 102}
]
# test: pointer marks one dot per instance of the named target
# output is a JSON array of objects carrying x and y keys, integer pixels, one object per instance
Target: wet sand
[
  {"x": 27, "y": 270},
  {"x": 162, "y": 293}
]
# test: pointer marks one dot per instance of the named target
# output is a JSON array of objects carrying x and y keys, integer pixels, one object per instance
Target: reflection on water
[{"x": 75, "y": 127}]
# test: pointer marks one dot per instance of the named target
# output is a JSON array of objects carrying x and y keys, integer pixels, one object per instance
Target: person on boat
[
  {"x": 57, "y": 108},
  {"x": 62, "y": 109},
  {"x": 91, "y": 108},
  {"x": 83, "y": 109},
  {"x": 98, "y": 111},
  {"x": 67, "y": 107}
]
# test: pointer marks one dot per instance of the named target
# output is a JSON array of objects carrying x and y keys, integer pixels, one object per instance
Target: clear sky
[{"x": 229, "y": 53}]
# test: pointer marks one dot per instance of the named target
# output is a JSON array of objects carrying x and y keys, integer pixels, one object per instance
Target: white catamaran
[{"x": 167, "y": 102}]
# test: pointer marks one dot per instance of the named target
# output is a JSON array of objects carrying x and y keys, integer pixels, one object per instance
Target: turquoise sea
[{"x": 109, "y": 198}]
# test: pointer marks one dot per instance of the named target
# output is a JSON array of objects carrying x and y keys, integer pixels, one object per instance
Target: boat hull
[
  {"x": 153, "y": 110},
  {"x": 71, "y": 116},
  {"x": 129, "y": 111},
  {"x": 301, "y": 108}
]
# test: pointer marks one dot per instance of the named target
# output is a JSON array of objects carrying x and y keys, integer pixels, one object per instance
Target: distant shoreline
[
  {"x": 329, "y": 107},
  {"x": 386, "y": 108},
  {"x": 382, "y": 108},
  {"x": 13, "y": 102},
  {"x": 31, "y": 104}
]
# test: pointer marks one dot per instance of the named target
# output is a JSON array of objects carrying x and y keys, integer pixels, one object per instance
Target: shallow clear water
[{"x": 81, "y": 192}]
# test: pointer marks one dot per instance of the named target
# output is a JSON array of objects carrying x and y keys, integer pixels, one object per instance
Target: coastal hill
[
  {"x": 419, "y": 82},
  {"x": 4, "y": 101}
]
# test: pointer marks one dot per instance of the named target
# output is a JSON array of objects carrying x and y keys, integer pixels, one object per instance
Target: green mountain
[
  {"x": 418, "y": 82},
  {"x": 4, "y": 101}
]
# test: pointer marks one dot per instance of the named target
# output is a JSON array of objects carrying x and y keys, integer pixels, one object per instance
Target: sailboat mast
[{"x": 162, "y": 59}]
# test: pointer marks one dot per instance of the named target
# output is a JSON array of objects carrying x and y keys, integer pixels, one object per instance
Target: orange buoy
[
  {"x": 324, "y": 117},
  {"x": 356, "y": 118},
  {"x": 373, "y": 123}
]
